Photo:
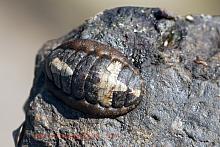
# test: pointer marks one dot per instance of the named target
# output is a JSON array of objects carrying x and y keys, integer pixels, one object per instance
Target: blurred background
[{"x": 26, "y": 24}]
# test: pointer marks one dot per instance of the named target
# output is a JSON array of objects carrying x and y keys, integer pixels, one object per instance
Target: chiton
[{"x": 93, "y": 78}]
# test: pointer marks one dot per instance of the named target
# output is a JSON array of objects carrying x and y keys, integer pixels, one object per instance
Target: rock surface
[{"x": 179, "y": 60}]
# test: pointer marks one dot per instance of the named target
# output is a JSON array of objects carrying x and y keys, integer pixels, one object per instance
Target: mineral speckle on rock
[{"x": 179, "y": 60}]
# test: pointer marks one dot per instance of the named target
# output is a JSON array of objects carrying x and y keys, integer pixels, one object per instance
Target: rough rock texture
[{"x": 179, "y": 59}]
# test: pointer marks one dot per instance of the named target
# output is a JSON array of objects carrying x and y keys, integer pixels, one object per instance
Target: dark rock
[{"x": 179, "y": 59}]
